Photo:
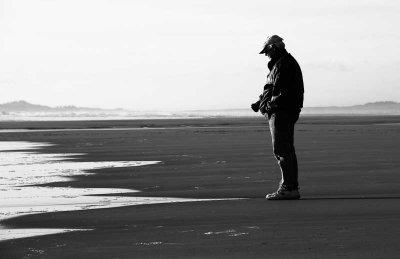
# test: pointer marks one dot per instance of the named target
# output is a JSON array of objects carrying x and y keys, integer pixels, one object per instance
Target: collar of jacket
[{"x": 280, "y": 55}]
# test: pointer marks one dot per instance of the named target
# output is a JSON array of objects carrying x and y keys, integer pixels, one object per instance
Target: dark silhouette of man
[{"x": 281, "y": 103}]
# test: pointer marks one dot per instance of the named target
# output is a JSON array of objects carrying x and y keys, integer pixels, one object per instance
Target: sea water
[{"x": 22, "y": 169}]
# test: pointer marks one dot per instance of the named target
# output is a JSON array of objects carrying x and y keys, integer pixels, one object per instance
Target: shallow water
[{"x": 21, "y": 167}]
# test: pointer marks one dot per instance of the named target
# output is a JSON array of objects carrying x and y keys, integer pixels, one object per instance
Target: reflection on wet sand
[{"x": 21, "y": 168}]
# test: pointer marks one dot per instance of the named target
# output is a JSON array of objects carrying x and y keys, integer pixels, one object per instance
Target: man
[{"x": 281, "y": 103}]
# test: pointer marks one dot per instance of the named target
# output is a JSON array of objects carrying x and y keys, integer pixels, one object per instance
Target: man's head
[{"x": 272, "y": 46}]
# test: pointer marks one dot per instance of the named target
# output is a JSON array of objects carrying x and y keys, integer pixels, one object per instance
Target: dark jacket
[{"x": 284, "y": 89}]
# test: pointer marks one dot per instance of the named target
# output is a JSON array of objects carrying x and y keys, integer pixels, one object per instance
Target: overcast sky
[{"x": 194, "y": 54}]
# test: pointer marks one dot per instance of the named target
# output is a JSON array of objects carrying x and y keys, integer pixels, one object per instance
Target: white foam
[
  {"x": 21, "y": 145},
  {"x": 31, "y": 232},
  {"x": 29, "y": 168}
]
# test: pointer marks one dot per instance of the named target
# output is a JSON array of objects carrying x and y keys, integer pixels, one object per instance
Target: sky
[{"x": 194, "y": 54}]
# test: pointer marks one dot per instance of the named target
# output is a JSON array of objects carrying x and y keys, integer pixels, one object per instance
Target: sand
[{"x": 348, "y": 175}]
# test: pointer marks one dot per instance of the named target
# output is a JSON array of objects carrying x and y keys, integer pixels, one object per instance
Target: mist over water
[{"x": 125, "y": 115}]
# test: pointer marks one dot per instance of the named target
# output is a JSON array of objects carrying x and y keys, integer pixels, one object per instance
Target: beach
[{"x": 348, "y": 173}]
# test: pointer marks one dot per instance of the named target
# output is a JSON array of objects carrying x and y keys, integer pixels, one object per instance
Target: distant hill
[
  {"x": 374, "y": 108},
  {"x": 23, "y": 106}
]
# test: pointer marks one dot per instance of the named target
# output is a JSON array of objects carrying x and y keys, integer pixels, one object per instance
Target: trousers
[{"x": 281, "y": 125}]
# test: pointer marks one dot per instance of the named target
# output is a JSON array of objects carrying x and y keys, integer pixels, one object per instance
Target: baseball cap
[{"x": 270, "y": 40}]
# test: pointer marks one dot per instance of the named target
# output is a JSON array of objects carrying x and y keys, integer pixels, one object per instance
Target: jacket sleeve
[{"x": 265, "y": 97}]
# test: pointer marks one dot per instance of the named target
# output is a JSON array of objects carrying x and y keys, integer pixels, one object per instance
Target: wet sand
[{"x": 348, "y": 175}]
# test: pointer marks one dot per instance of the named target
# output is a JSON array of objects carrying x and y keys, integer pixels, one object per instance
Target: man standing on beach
[{"x": 281, "y": 103}]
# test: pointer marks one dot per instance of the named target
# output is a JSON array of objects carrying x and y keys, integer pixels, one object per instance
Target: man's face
[{"x": 270, "y": 51}]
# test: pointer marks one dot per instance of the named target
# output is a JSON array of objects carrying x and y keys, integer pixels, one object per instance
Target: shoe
[{"x": 284, "y": 194}]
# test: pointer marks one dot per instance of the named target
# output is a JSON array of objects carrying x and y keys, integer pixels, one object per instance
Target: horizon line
[{"x": 193, "y": 110}]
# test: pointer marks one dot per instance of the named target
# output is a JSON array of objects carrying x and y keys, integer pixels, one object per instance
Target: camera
[{"x": 256, "y": 106}]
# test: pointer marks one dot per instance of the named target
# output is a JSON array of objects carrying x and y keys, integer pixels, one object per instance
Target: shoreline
[{"x": 197, "y": 122}]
